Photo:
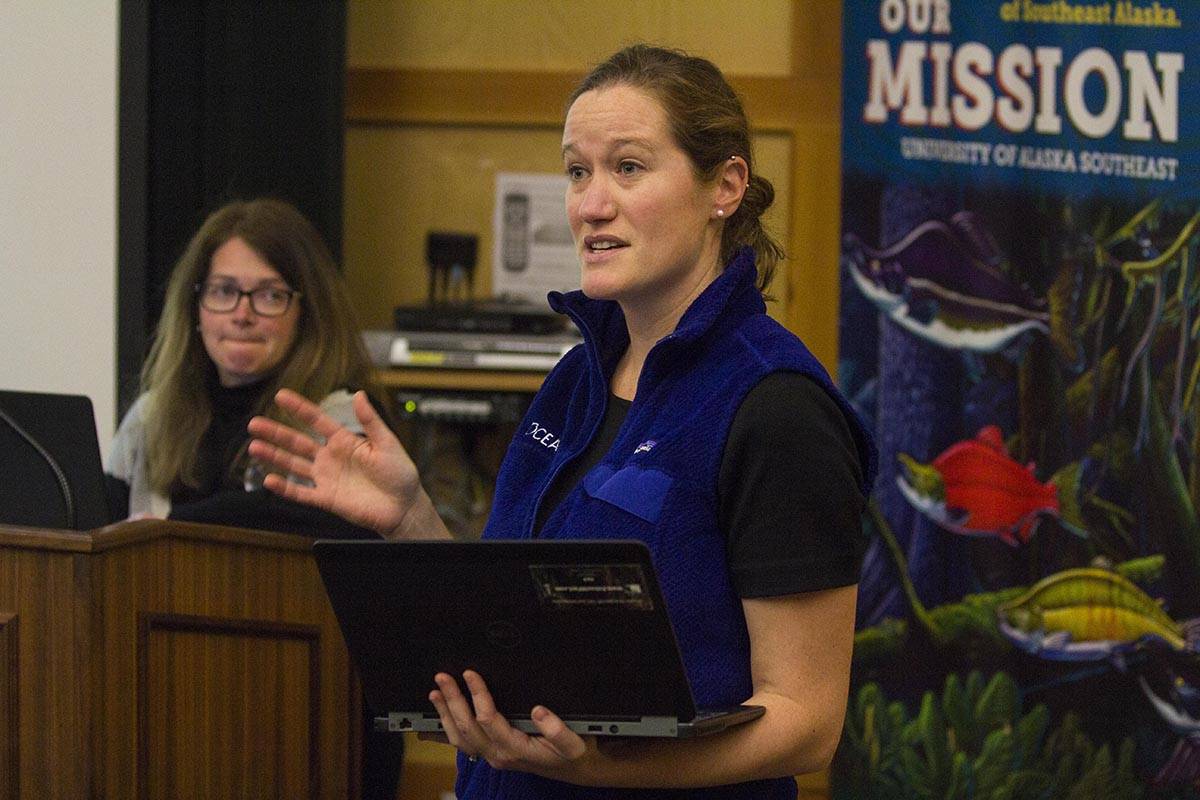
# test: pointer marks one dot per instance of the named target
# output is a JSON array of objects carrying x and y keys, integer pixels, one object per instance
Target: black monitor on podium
[{"x": 50, "y": 470}]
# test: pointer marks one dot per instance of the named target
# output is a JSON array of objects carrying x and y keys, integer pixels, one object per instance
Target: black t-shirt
[{"x": 788, "y": 490}]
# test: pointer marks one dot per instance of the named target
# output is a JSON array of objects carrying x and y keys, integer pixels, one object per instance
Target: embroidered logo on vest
[
  {"x": 645, "y": 447},
  {"x": 542, "y": 436}
]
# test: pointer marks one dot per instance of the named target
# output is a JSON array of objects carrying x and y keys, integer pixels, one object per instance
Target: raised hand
[{"x": 369, "y": 480}]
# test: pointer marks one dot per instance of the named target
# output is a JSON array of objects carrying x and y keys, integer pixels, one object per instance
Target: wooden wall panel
[
  {"x": 538, "y": 36},
  {"x": 45, "y": 722},
  {"x": 228, "y": 707},
  {"x": 10, "y": 709},
  {"x": 391, "y": 92},
  {"x": 814, "y": 246},
  {"x": 134, "y": 574},
  {"x": 403, "y": 180}
]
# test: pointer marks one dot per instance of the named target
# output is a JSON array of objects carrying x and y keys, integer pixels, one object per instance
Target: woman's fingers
[
  {"x": 493, "y": 723},
  {"x": 459, "y": 721},
  {"x": 281, "y": 437},
  {"x": 453, "y": 736},
  {"x": 291, "y": 490},
  {"x": 456, "y": 702},
  {"x": 282, "y": 458},
  {"x": 555, "y": 734},
  {"x": 307, "y": 412},
  {"x": 373, "y": 425},
  {"x": 476, "y": 727},
  {"x": 564, "y": 741}
]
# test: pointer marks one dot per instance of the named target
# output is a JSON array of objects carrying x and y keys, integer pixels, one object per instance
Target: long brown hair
[
  {"x": 708, "y": 123},
  {"x": 327, "y": 354}
]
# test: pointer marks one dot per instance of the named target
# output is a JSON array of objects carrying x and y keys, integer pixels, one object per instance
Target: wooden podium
[{"x": 157, "y": 659}]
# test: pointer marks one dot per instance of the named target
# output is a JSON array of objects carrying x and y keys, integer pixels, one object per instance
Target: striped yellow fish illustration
[{"x": 1085, "y": 614}]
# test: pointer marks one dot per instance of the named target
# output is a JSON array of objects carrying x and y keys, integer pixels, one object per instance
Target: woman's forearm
[
  {"x": 800, "y": 659},
  {"x": 789, "y": 739},
  {"x": 420, "y": 521}
]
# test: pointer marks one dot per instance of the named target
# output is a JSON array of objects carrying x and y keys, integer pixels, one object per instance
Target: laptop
[
  {"x": 51, "y": 475},
  {"x": 577, "y": 626}
]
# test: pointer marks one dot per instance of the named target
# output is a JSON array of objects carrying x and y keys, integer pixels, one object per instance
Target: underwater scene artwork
[{"x": 1020, "y": 327}]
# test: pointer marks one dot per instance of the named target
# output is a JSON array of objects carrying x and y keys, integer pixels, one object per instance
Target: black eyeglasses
[{"x": 221, "y": 297}]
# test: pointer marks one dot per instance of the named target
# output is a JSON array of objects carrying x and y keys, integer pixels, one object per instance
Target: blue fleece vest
[{"x": 658, "y": 484}]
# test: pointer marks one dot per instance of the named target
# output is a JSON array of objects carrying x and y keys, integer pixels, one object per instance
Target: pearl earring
[{"x": 720, "y": 212}]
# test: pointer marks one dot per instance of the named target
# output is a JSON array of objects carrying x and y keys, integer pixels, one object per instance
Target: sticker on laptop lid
[{"x": 593, "y": 585}]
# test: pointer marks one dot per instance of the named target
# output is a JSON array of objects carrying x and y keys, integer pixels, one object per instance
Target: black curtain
[{"x": 219, "y": 100}]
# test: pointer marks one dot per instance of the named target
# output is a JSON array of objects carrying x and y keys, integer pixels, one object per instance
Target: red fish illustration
[{"x": 975, "y": 488}]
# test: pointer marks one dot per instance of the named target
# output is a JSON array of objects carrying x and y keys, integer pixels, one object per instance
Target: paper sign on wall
[{"x": 533, "y": 250}]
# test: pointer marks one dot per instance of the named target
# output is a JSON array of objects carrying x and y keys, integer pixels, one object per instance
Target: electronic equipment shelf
[{"x": 475, "y": 380}]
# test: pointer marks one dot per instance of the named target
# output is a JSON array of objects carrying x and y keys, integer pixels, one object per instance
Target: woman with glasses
[{"x": 255, "y": 304}]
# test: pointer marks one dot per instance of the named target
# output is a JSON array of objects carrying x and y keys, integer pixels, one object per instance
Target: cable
[{"x": 63, "y": 486}]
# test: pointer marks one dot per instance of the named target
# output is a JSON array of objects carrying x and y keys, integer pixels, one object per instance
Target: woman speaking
[{"x": 755, "y": 467}]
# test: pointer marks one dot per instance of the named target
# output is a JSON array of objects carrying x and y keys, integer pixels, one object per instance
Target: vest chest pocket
[{"x": 639, "y": 491}]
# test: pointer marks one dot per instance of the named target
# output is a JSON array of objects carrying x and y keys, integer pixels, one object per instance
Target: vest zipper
[{"x": 594, "y": 363}]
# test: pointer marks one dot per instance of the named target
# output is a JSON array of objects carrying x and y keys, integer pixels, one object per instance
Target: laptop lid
[
  {"x": 51, "y": 475},
  {"x": 577, "y": 626}
]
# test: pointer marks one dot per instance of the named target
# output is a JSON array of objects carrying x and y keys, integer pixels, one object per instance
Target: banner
[{"x": 1020, "y": 321}]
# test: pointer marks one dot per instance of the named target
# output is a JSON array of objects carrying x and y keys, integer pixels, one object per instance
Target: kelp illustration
[
  {"x": 972, "y": 626},
  {"x": 1107, "y": 433},
  {"x": 974, "y": 741},
  {"x": 1097, "y": 460},
  {"x": 1131, "y": 414},
  {"x": 1087, "y": 614},
  {"x": 1094, "y": 614}
]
